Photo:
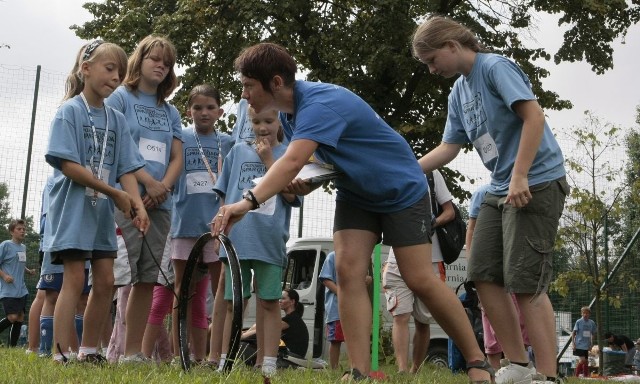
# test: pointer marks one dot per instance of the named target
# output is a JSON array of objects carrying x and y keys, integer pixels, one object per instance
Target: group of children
[{"x": 107, "y": 133}]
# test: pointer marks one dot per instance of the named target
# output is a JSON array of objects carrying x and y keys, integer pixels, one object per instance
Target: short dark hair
[
  {"x": 264, "y": 61},
  {"x": 293, "y": 295},
  {"x": 608, "y": 335},
  {"x": 14, "y": 223}
]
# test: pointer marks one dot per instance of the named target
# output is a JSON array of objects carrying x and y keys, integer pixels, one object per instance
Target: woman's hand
[
  {"x": 228, "y": 215},
  {"x": 300, "y": 187}
]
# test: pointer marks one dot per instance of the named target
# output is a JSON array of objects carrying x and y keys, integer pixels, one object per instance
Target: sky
[{"x": 38, "y": 33}]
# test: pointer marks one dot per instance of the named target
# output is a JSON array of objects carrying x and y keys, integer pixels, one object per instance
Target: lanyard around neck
[
  {"x": 97, "y": 171},
  {"x": 205, "y": 160}
]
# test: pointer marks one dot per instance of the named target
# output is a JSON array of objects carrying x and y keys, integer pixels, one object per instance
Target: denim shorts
[{"x": 512, "y": 246}]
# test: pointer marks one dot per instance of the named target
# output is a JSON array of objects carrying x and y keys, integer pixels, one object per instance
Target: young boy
[
  {"x": 13, "y": 290},
  {"x": 335, "y": 336},
  {"x": 582, "y": 338}
]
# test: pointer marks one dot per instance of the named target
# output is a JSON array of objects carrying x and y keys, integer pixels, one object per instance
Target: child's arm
[
  {"x": 6, "y": 277},
  {"x": 130, "y": 186},
  {"x": 266, "y": 156},
  {"x": 174, "y": 169},
  {"x": 82, "y": 175},
  {"x": 439, "y": 156},
  {"x": 333, "y": 287},
  {"x": 156, "y": 192}
]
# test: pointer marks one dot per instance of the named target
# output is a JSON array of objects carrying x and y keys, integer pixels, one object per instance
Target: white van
[{"x": 305, "y": 259}]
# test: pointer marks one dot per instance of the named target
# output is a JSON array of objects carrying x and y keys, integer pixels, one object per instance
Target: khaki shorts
[
  {"x": 409, "y": 226},
  {"x": 512, "y": 246},
  {"x": 401, "y": 300},
  {"x": 144, "y": 259}
]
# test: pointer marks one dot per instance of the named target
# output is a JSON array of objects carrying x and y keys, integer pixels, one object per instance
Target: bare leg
[
  {"x": 334, "y": 354},
  {"x": 421, "y": 339},
  {"x": 353, "y": 255},
  {"x": 217, "y": 319},
  {"x": 414, "y": 263},
  {"x": 400, "y": 338},
  {"x": 99, "y": 303},
  {"x": 541, "y": 326},
  {"x": 136, "y": 317},
  {"x": 34, "y": 318}
]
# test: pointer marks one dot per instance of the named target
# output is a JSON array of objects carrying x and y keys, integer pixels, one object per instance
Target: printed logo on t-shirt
[
  {"x": 193, "y": 159},
  {"x": 246, "y": 130},
  {"x": 109, "y": 156},
  {"x": 154, "y": 119},
  {"x": 153, "y": 150},
  {"x": 474, "y": 114},
  {"x": 248, "y": 172}
]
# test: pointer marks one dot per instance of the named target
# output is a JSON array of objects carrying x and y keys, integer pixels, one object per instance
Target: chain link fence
[{"x": 24, "y": 131}]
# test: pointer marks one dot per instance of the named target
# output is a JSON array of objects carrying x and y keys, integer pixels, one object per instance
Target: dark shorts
[
  {"x": 80, "y": 255},
  {"x": 512, "y": 246},
  {"x": 14, "y": 305},
  {"x": 410, "y": 226},
  {"x": 53, "y": 282},
  {"x": 581, "y": 353}
]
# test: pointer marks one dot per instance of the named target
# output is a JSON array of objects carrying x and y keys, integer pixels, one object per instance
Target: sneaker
[
  {"x": 92, "y": 358},
  {"x": 138, "y": 358},
  {"x": 514, "y": 373},
  {"x": 539, "y": 378}
]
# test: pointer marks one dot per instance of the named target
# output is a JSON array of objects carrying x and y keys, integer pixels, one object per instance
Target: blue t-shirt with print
[
  {"x": 584, "y": 329},
  {"x": 328, "y": 272},
  {"x": 381, "y": 173},
  {"x": 481, "y": 112},
  {"x": 243, "y": 129},
  {"x": 476, "y": 200},
  {"x": 262, "y": 234},
  {"x": 72, "y": 220},
  {"x": 153, "y": 128},
  {"x": 13, "y": 259},
  {"x": 194, "y": 200}
]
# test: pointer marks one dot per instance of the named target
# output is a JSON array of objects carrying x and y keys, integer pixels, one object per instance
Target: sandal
[
  {"x": 483, "y": 365},
  {"x": 353, "y": 375}
]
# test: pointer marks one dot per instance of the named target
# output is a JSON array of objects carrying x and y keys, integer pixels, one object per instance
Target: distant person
[
  {"x": 335, "y": 336},
  {"x": 621, "y": 343},
  {"x": 583, "y": 337},
  {"x": 90, "y": 149},
  {"x": 402, "y": 302},
  {"x": 13, "y": 290}
]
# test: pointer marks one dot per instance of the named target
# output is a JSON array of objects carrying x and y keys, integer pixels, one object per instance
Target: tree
[
  {"x": 592, "y": 214},
  {"x": 363, "y": 45}
]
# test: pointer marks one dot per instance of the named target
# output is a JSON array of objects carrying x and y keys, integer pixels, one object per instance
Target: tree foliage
[{"x": 361, "y": 44}]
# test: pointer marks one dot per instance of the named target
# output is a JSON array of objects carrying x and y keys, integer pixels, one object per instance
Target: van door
[{"x": 302, "y": 271}]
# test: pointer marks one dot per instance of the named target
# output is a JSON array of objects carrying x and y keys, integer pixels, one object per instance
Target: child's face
[
  {"x": 586, "y": 314},
  {"x": 154, "y": 69},
  {"x": 18, "y": 233},
  {"x": 265, "y": 125},
  {"x": 204, "y": 111},
  {"x": 443, "y": 61},
  {"x": 101, "y": 76}
]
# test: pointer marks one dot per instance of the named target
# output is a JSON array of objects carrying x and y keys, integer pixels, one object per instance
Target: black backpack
[{"x": 451, "y": 235}]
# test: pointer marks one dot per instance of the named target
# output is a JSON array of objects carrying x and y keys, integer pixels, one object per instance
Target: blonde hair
[
  {"x": 90, "y": 53},
  {"x": 142, "y": 51},
  {"x": 280, "y": 135},
  {"x": 436, "y": 31}
]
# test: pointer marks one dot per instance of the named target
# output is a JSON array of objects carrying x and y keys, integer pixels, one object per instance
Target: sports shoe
[
  {"x": 514, "y": 373},
  {"x": 138, "y": 358},
  {"x": 539, "y": 378},
  {"x": 92, "y": 358}
]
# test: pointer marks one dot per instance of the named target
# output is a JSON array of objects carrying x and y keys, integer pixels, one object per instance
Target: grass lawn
[{"x": 17, "y": 367}]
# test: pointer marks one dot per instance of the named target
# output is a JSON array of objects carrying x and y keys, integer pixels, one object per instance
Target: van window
[{"x": 300, "y": 268}]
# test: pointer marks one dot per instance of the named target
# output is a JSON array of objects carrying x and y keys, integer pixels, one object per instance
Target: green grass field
[{"x": 17, "y": 367}]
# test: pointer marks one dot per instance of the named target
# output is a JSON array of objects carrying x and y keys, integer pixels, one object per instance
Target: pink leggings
[{"x": 163, "y": 303}]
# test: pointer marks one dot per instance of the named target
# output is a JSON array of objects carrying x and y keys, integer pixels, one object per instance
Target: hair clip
[{"x": 90, "y": 48}]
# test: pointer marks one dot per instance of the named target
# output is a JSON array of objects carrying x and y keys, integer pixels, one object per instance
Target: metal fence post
[{"x": 30, "y": 147}]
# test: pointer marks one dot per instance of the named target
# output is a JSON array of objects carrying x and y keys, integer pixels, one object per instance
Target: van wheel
[{"x": 438, "y": 355}]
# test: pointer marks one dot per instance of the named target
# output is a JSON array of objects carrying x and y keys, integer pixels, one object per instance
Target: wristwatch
[{"x": 250, "y": 197}]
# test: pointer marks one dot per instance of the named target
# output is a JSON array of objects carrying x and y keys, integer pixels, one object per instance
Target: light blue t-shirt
[
  {"x": 584, "y": 331},
  {"x": 381, "y": 173},
  {"x": 13, "y": 259},
  {"x": 476, "y": 200},
  {"x": 328, "y": 272},
  {"x": 263, "y": 233},
  {"x": 72, "y": 221},
  {"x": 480, "y": 112},
  {"x": 243, "y": 129},
  {"x": 153, "y": 128},
  {"x": 194, "y": 201}
]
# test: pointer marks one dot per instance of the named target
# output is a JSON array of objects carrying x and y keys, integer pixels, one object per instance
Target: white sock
[
  {"x": 223, "y": 359},
  {"x": 87, "y": 350},
  {"x": 269, "y": 366}
]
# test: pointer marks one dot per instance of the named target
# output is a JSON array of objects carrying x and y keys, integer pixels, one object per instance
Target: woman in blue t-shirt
[{"x": 381, "y": 190}]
